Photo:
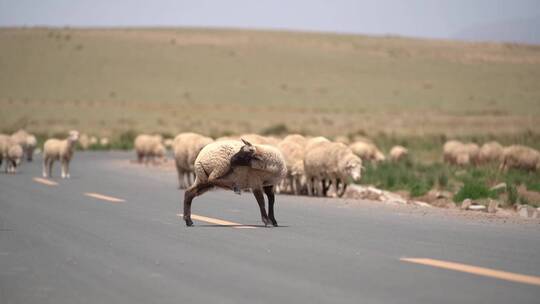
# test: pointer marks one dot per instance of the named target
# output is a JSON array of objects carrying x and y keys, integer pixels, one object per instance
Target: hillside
[{"x": 105, "y": 81}]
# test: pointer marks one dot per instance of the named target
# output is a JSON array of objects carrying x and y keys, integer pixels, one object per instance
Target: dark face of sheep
[{"x": 244, "y": 156}]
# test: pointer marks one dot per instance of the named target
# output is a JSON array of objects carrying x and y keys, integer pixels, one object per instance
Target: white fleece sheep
[
  {"x": 84, "y": 141},
  {"x": 62, "y": 150},
  {"x": 293, "y": 153},
  {"x": 10, "y": 152},
  {"x": 221, "y": 164},
  {"x": 367, "y": 151},
  {"x": 461, "y": 154},
  {"x": 186, "y": 147},
  {"x": 257, "y": 139},
  {"x": 520, "y": 157},
  {"x": 330, "y": 163},
  {"x": 490, "y": 152},
  {"x": 398, "y": 153},
  {"x": 27, "y": 142},
  {"x": 149, "y": 148}
]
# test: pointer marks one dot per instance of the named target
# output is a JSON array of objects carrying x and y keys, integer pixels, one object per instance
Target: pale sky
[{"x": 518, "y": 19}]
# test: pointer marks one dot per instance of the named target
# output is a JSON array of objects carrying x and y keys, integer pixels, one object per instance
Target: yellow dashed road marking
[
  {"x": 217, "y": 221},
  {"x": 45, "y": 181},
  {"x": 481, "y": 271},
  {"x": 105, "y": 197}
]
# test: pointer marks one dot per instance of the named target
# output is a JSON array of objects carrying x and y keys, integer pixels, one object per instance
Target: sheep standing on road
[
  {"x": 148, "y": 148},
  {"x": 10, "y": 152},
  {"x": 233, "y": 164},
  {"x": 62, "y": 150},
  {"x": 293, "y": 152},
  {"x": 186, "y": 147},
  {"x": 27, "y": 142},
  {"x": 520, "y": 157}
]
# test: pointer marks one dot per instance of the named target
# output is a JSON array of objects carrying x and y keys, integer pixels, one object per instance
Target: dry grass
[{"x": 222, "y": 81}]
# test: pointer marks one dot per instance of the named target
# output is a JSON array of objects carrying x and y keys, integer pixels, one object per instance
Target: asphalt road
[{"x": 58, "y": 245}]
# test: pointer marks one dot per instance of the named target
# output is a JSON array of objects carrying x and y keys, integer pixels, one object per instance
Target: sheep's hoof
[
  {"x": 274, "y": 223},
  {"x": 189, "y": 222},
  {"x": 266, "y": 222}
]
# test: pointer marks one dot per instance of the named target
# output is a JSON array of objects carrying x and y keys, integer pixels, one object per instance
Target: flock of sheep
[
  {"x": 514, "y": 156},
  {"x": 313, "y": 164}
]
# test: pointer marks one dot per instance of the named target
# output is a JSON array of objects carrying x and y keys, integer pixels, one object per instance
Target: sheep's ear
[{"x": 247, "y": 143}]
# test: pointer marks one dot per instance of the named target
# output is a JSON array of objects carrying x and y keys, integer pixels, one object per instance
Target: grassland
[{"x": 109, "y": 81}]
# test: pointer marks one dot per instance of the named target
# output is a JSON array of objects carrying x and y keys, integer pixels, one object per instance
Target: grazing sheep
[
  {"x": 84, "y": 141},
  {"x": 367, "y": 151},
  {"x": 398, "y": 153},
  {"x": 520, "y": 157},
  {"x": 186, "y": 147},
  {"x": 449, "y": 149},
  {"x": 458, "y": 153},
  {"x": 27, "y": 142},
  {"x": 342, "y": 139},
  {"x": 11, "y": 152},
  {"x": 332, "y": 163},
  {"x": 490, "y": 152},
  {"x": 293, "y": 153},
  {"x": 62, "y": 150},
  {"x": 315, "y": 141},
  {"x": 148, "y": 147},
  {"x": 31, "y": 143},
  {"x": 93, "y": 140},
  {"x": 237, "y": 165},
  {"x": 257, "y": 139},
  {"x": 297, "y": 138},
  {"x": 104, "y": 141}
]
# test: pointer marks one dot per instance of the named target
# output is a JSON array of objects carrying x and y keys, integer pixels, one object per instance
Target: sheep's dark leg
[
  {"x": 189, "y": 195},
  {"x": 260, "y": 200},
  {"x": 49, "y": 166},
  {"x": 340, "y": 194},
  {"x": 29, "y": 154},
  {"x": 269, "y": 191}
]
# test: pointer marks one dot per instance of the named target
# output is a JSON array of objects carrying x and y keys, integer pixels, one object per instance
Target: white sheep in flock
[
  {"x": 236, "y": 165},
  {"x": 10, "y": 152},
  {"x": 27, "y": 142},
  {"x": 490, "y": 152},
  {"x": 398, "y": 153},
  {"x": 149, "y": 147},
  {"x": 461, "y": 154},
  {"x": 293, "y": 148},
  {"x": 328, "y": 164},
  {"x": 62, "y": 150},
  {"x": 367, "y": 151},
  {"x": 257, "y": 139},
  {"x": 186, "y": 147},
  {"x": 520, "y": 157},
  {"x": 84, "y": 141}
]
